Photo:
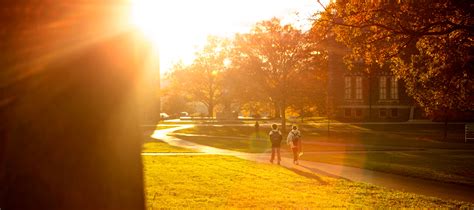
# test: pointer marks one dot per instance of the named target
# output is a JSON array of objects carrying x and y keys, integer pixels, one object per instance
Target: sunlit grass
[
  {"x": 161, "y": 127},
  {"x": 159, "y": 146},
  {"x": 221, "y": 181},
  {"x": 154, "y": 145}
]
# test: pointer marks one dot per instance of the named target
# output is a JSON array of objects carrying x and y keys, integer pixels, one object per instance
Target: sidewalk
[{"x": 392, "y": 181}]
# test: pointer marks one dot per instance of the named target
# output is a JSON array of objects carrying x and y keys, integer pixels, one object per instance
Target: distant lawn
[
  {"x": 230, "y": 131},
  {"x": 373, "y": 135},
  {"x": 251, "y": 144},
  {"x": 223, "y": 182},
  {"x": 446, "y": 166},
  {"x": 158, "y": 126},
  {"x": 257, "y": 145},
  {"x": 432, "y": 131}
]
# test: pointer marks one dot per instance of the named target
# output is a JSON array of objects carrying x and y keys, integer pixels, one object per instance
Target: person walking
[
  {"x": 294, "y": 140},
  {"x": 275, "y": 139}
]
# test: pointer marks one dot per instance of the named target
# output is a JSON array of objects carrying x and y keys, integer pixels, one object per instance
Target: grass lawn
[
  {"x": 258, "y": 145},
  {"x": 446, "y": 166},
  {"x": 235, "y": 131},
  {"x": 159, "y": 146},
  {"x": 346, "y": 134},
  {"x": 161, "y": 127},
  {"x": 153, "y": 145},
  {"x": 223, "y": 182},
  {"x": 251, "y": 144},
  {"x": 440, "y": 165}
]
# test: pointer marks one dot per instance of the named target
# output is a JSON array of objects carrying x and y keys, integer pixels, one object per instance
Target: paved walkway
[{"x": 392, "y": 181}]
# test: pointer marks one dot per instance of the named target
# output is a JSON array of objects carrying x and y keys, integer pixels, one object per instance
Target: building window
[
  {"x": 383, "y": 88},
  {"x": 394, "y": 113},
  {"x": 358, "y": 113},
  {"x": 347, "y": 93},
  {"x": 382, "y": 113},
  {"x": 393, "y": 88},
  {"x": 347, "y": 113},
  {"x": 359, "y": 88}
]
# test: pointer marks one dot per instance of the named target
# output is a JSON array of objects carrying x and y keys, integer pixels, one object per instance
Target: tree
[
  {"x": 202, "y": 80},
  {"x": 439, "y": 82},
  {"x": 174, "y": 104},
  {"x": 309, "y": 94},
  {"x": 428, "y": 44},
  {"x": 272, "y": 54}
]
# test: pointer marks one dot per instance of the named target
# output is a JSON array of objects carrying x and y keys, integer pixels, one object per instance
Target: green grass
[{"x": 227, "y": 182}]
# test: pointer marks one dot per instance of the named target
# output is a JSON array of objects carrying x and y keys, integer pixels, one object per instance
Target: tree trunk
[
  {"x": 277, "y": 111},
  {"x": 446, "y": 118},
  {"x": 370, "y": 96},
  {"x": 302, "y": 113},
  {"x": 210, "y": 110},
  {"x": 283, "y": 117}
]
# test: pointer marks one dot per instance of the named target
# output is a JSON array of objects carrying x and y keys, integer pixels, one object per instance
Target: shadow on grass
[
  {"x": 310, "y": 175},
  {"x": 315, "y": 173}
]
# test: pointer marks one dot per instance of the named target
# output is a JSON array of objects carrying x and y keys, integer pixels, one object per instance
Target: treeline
[
  {"x": 272, "y": 69},
  {"x": 278, "y": 69}
]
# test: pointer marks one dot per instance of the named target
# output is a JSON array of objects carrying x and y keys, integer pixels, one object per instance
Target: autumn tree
[
  {"x": 243, "y": 89},
  {"x": 429, "y": 44},
  {"x": 272, "y": 54},
  {"x": 201, "y": 81},
  {"x": 309, "y": 93}
]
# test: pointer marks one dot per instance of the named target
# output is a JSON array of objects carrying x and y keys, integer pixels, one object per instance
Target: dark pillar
[{"x": 70, "y": 134}]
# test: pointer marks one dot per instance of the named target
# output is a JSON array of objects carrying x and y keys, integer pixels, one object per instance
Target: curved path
[{"x": 392, "y": 181}]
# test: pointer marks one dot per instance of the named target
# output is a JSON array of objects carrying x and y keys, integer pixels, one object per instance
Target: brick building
[{"x": 357, "y": 95}]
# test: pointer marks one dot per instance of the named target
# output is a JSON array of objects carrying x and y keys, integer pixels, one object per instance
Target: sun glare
[
  {"x": 146, "y": 17},
  {"x": 179, "y": 26}
]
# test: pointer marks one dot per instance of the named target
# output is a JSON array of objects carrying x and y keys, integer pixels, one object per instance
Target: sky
[{"x": 180, "y": 27}]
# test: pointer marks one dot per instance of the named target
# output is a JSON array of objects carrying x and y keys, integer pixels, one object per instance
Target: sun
[
  {"x": 176, "y": 28},
  {"x": 171, "y": 22},
  {"x": 147, "y": 16}
]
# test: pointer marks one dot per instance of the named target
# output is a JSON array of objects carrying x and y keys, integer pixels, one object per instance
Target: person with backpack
[
  {"x": 294, "y": 140},
  {"x": 275, "y": 139}
]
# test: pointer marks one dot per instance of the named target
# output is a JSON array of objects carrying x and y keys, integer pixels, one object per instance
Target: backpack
[
  {"x": 275, "y": 137},
  {"x": 295, "y": 137}
]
